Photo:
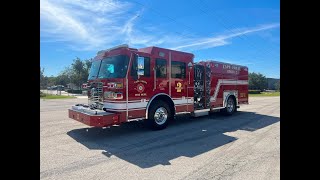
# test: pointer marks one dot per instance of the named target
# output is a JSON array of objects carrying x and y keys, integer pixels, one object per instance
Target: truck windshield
[
  {"x": 110, "y": 67},
  {"x": 94, "y": 69}
]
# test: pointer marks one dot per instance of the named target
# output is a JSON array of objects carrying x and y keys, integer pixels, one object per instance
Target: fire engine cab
[{"x": 154, "y": 84}]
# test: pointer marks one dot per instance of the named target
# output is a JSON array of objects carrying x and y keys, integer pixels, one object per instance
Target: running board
[
  {"x": 204, "y": 112},
  {"x": 200, "y": 112}
]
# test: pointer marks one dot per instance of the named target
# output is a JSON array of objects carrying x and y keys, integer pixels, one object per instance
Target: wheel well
[{"x": 164, "y": 98}]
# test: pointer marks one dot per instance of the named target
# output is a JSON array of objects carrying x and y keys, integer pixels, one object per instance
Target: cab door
[
  {"x": 140, "y": 78},
  {"x": 179, "y": 81},
  {"x": 161, "y": 76}
]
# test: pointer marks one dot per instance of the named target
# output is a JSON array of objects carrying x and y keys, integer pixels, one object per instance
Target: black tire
[
  {"x": 161, "y": 110},
  {"x": 230, "y": 108}
]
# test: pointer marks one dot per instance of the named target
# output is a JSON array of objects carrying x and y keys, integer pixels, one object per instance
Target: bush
[
  {"x": 254, "y": 92},
  {"x": 42, "y": 94},
  {"x": 74, "y": 91}
]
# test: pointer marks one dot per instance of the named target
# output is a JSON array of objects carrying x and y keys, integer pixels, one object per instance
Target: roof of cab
[{"x": 152, "y": 49}]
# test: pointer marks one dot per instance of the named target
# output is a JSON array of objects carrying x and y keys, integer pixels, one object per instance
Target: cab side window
[
  {"x": 161, "y": 68},
  {"x": 143, "y": 67},
  {"x": 178, "y": 69}
]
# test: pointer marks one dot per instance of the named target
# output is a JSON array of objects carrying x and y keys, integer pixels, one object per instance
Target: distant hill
[{"x": 271, "y": 82}]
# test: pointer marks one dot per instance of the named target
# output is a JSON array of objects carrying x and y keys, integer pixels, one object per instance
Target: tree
[
  {"x": 62, "y": 79},
  {"x": 257, "y": 81},
  {"x": 43, "y": 79},
  {"x": 51, "y": 81},
  {"x": 78, "y": 68},
  {"x": 80, "y": 71},
  {"x": 77, "y": 73}
]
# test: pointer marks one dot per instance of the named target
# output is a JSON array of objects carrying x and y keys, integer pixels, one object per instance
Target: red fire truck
[{"x": 155, "y": 84}]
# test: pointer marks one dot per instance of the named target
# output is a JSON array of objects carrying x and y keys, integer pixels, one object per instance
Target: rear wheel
[
  {"x": 230, "y": 106},
  {"x": 159, "y": 115}
]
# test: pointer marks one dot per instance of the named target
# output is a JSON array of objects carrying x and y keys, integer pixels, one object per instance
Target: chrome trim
[
  {"x": 127, "y": 98},
  {"x": 161, "y": 115},
  {"x": 201, "y": 110},
  {"x": 89, "y": 112},
  {"x": 135, "y": 101},
  {"x": 154, "y": 79},
  {"x": 127, "y": 87},
  {"x": 169, "y": 72},
  {"x": 186, "y": 104},
  {"x": 188, "y": 92},
  {"x": 185, "y": 112},
  {"x": 136, "y": 119},
  {"x": 96, "y": 94},
  {"x": 124, "y": 110},
  {"x": 150, "y": 101},
  {"x": 217, "y": 108}
]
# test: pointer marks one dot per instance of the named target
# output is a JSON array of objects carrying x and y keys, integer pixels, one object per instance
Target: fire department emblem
[{"x": 140, "y": 87}]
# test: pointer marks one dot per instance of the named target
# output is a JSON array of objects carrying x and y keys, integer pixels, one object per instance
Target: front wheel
[
  {"x": 159, "y": 115},
  {"x": 230, "y": 107}
]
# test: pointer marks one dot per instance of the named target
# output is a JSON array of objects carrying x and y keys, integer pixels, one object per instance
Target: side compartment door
[
  {"x": 207, "y": 86},
  {"x": 199, "y": 83}
]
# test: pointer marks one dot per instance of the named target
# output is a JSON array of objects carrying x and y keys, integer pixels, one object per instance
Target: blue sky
[{"x": 245, "y": 32}]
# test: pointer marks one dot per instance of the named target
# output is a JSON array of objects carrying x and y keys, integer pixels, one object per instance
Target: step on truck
[{"x": 154, "y": 84}]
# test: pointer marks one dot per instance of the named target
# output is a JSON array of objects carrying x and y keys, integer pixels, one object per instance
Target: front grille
[{"x": 96, "y": 93}]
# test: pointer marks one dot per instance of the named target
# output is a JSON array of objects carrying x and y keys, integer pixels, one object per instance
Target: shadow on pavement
[{"x": 185, "y": 136}]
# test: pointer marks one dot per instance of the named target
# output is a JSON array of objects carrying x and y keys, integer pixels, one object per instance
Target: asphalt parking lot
[{"x": 243, "y": 146}]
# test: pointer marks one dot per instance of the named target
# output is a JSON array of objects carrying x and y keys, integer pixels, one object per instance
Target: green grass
[
  {"x": 51, "y": 96},
  {"x": 264, "y": 94}
]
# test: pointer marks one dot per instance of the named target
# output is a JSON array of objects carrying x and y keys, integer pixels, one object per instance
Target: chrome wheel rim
[
  {"x": 230, "y": 105},
  {"x": 161, "y": 115}
]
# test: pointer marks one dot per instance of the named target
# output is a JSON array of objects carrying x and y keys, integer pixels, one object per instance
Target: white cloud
[
  {"x": 99, "y": 24},
  {"x": 83, "y": 24},
  {"x": 221, "y": 40}
]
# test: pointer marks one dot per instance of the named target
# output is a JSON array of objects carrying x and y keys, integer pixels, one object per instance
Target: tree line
[
  {"x": 258, "y": 81},
  {"x": 77, "y": 73}
]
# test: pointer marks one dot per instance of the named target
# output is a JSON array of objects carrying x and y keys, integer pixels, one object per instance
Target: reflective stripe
[
  {"x": 135, "y": 105},
  {"x": 226, "y": 82}
]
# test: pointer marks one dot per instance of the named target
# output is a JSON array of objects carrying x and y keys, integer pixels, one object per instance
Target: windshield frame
[
  {"x": 96, "y": 72},
  {"x": 102, "y": 62}
]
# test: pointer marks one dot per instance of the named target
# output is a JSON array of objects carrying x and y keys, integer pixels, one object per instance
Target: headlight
[{"x": 113, "y": 95}]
